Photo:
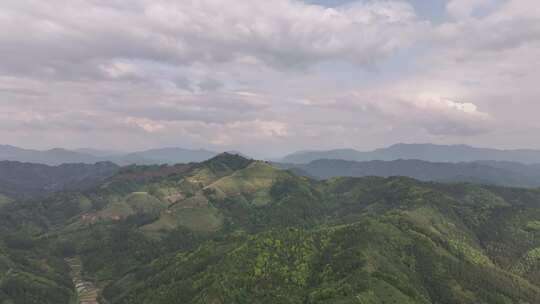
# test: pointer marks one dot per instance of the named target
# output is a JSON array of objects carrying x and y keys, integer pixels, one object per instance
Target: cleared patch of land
[
  {"x": 87, "y": 292},
  {"x": 4, "y": 200}
]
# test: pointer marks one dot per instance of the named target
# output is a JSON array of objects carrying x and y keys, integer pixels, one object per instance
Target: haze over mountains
[
  {"x": 173, "y": 155},
  {"x": 426, "y": 152},
  {"x": 481, "y": 172},
  {"x": 425, "y": 162},
  {"x": 20, "y": 180},
  {"x": 59, "y": 156}
]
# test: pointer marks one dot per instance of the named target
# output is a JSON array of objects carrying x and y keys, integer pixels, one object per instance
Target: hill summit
[{"x": 233, "y": 161}]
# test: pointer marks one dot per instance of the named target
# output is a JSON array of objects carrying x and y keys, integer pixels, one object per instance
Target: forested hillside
[
  {"x": 233, "y": 230},
  {"x": 27, "y": 180},
  {"x": 425, "y": 152},
  {"x": 485, "y": 172}
]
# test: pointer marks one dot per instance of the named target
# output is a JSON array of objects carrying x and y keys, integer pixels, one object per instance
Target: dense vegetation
[
  {"x": 30, "y": 272},
  {"x": 425, "y": 152},
  {"x": 485, "y": 172},
  {"x": 232, "y": 230},
  {"x": 27, "y": 180}
]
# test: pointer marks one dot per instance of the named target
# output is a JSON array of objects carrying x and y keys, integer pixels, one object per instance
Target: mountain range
[
  {"x": 480, "y": 172},
  {"x": 27, "y": 180},
  {"x": 236, "y": 230},
  {"x": 426, "y": 152},
  {"x": 59, "y": 156}
]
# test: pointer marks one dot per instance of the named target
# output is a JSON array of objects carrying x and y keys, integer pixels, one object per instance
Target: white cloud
[
  {"x": 266, "y": 75},
  {"x": 48, "y": 38},
  {"x": 465, "y": 8},
  {"x": 145, "y": 124},
  {"x": 249, "y": 132},
  {"x": 490, "y": 61},
  {"x": 433, "y": 102},
  {"x": 119, "y": 69},
  {"x": 512, "y": 25},
  {"x": 408, "y": 104}
]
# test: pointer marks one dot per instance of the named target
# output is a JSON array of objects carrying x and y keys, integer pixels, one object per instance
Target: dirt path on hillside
[{"x": 87, "y": 292}]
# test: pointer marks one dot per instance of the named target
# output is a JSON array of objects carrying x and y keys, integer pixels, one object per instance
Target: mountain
[
  {"x": 236, "y": 230},
  {"x": 51, "y": 157},
  {"x": 426, "y": 152},
  {"x": 486, "y": 172},
  {"x": 303, "y": 157},
  {"x": 172, "y": 155},
  {"x": 98, "y": 153},
  {"x": 58, "y": 156},
  {"x": 26, "y": 180}
]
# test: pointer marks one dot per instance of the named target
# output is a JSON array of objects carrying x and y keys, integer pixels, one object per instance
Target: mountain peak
[
  {"x": 229, "y": 156},
  {"x": 231, "y": 160}
]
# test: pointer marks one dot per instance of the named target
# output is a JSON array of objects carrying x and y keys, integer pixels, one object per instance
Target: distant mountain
[
  {"x": 304, "y": 157},
  {"x": 98, "y": 152},
  {"x": 27, "y": 180},
  {"x": 57, "y": 156},
  {"x": 49, "y": 157},
  {"x": 172, "y": 155},
  {"x": 426, "y": 152},
  {"x": 486, "y": 172}
]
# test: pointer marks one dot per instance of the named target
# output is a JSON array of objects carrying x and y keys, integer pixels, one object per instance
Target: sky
[{"x": 269, "y": 77}]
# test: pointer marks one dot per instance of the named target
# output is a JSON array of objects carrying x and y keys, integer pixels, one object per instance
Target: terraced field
[{"x": 87, "y": 292}]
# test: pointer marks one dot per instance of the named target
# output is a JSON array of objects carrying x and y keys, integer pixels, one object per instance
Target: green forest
[{"x": 235, "y": 230}]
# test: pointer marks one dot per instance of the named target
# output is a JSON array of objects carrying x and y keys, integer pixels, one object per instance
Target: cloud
[
  {"x": 210, "y": 85},
  {"x": 403, "y": 104},
  {"x": 145, "y": 124},
  {"x": 465, "y": 8},
  {"x": 512, "y": 25},
  {"x": 266, "y": 75},
  {"x": 92, "y": 38},
  {"x": 491, "y": 61},
  {"x": 119, "y": 69},
  {"x": 250, "y": 131},
  {"x": 163, "y": 67},
  {"x": 442, "y": 116}
]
